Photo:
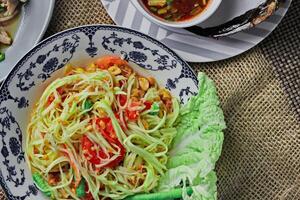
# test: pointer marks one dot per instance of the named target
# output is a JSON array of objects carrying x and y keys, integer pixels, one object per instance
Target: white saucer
[{"x": 195, "y": 48}]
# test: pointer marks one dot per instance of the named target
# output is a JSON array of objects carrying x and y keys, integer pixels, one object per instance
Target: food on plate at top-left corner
[{"x": 9, "y": 22}]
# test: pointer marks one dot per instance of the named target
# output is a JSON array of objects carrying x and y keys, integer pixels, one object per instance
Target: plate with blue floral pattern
[{"x": 45, "y": 62}]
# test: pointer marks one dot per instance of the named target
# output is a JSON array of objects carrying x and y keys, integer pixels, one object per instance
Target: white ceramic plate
[
  {"x": 26, "y": 82},
  {"x": 35, "y": 17},
  {"x": 195, "y": 48}
]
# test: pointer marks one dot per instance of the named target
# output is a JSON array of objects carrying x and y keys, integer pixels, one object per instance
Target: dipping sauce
[{"x": 176, "y": 10}]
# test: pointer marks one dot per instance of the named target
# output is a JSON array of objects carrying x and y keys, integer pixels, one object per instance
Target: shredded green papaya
[{"x": 96, "y": 132}]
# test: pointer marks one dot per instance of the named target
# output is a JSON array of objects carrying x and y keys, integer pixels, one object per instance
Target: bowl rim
[
  {"x": 208, "y": 12},
  {"x": 45, "y": 42}
]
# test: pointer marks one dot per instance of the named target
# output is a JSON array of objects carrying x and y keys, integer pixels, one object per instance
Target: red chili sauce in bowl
[{"x": 176, "y": 10}]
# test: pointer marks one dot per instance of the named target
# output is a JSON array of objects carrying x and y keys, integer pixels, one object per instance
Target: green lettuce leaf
[{"x": 197, "y": 145}]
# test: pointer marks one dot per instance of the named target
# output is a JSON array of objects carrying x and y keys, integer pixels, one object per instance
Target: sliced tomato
[
  {"x": 131, "y": 115},
  {"x": 107, "y": 61},
  {"x": 103, "y": 119},
  {"x": 95, "y": 158},
  {"x": 135, "y": 104},
  {"x": 109, "y": 126},
  {"x": 107, "y": 131},
  {"x": 52, "y": 97},
  {"x": 120, "y": 158},
  {"x": 109, "y": 134},
  {"x": 87, "y": 145}
]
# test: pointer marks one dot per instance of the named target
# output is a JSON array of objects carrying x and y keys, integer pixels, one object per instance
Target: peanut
[
  {"x": 79, "y": 70},
  {"x": 134, "y": 99},
  {"x": 156, "y": 99},
  {"x": 144, "y": 83},
  {"x": 151, "y": 80},
  {"x": 114, "y": 70},
  {"x": 126, "y": 71},
  {"x": 68, "y": 69},
  {"x": 145, "y": 124},
  {"x": 102, "y": 125},
  {"x": 165, "y": 94},
  {"x": 101, "y": 112},
  {"x": 135, "y": 93},
  {"x": 91, "y": 67},
  {"x": 141, "y": 93}
]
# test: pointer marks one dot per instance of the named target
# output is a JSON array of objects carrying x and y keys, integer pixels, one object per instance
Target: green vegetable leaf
[
  {"x": 2, "y": 55},
  {"x": 154, "y": 110},
  {"x": 88, "y": 105},
  {"x": 42, "y": 184},
  {"x": 157, "y": 2},
  {"x": 80, "y": 190},
  {"x": 197, "y": 145},
  {"x": 175, "y": 193},
  {"x": 169, "y": 2},
  {"x": 2, "y": 8}
]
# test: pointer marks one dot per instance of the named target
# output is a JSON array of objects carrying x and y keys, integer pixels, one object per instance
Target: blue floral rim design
[{"x": 78, "y": 29}]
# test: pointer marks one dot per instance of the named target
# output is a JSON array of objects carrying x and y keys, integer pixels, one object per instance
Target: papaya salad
[{"x": 101, "y": 132}]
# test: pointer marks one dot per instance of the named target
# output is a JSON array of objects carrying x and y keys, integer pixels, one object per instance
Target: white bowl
[
  {"x": 210, "y": 9},
  {"x": 44, "y": 63}
]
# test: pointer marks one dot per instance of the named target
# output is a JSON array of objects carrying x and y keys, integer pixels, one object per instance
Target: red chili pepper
[
  {"x": 169, "y": 105},
  {"x": 88, "y": 195},
  {"x": 50, "y": 99},
  {"x": 121, "y": 122},
  {"x": 122, "y": 82},
  {"x": 122, "y": 99},
  {"x": 148, "y": 105},
  {"x": 60, "y": 90},
  {"x": 87, "y": 145}
]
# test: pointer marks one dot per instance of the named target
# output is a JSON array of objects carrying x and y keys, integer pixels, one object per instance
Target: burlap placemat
[
  {"x": 262, "y": 142},
  {"x": 283, "y": 50}
]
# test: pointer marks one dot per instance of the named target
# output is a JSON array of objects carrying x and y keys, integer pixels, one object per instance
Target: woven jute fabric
[
  {"x": 283, "y": 50},
  {"x": 261, "y": 151}
]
